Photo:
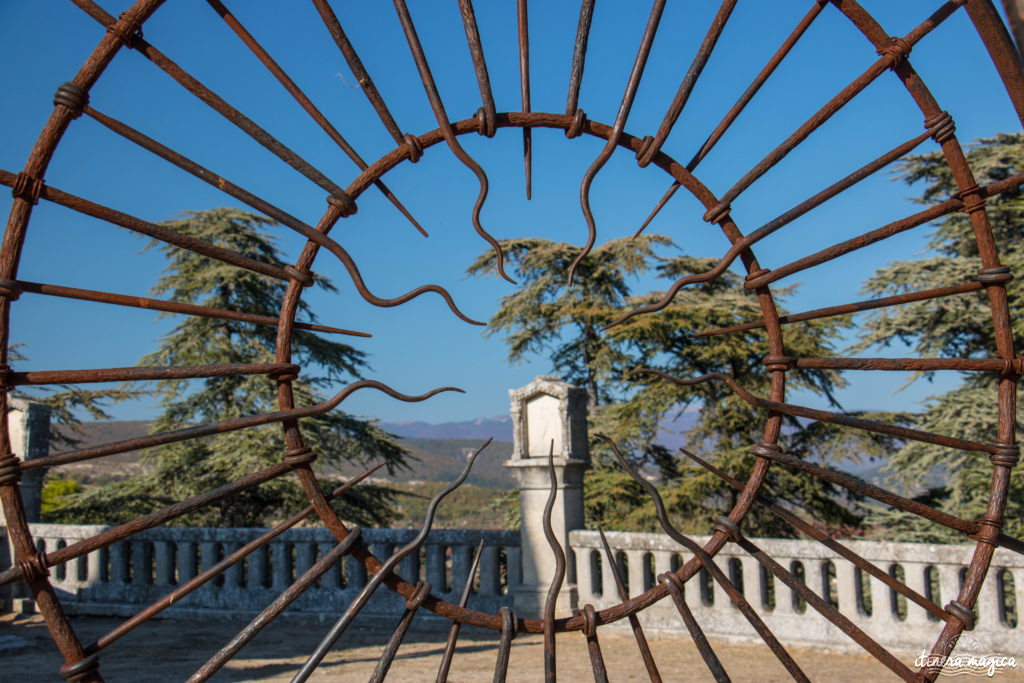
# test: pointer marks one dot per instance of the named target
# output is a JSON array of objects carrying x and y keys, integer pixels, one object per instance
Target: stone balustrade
[
  {"x": 131, "y": 574},
  {"x": 934, "y": 571}
]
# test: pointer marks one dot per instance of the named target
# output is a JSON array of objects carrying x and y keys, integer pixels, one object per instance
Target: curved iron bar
[
  {"x": 446, "y": 129},
  {"x": 775, "y": 224},
  {"x": 620, "y": 123},
  {"x": 274, "y": 212},
  {"x": 741, "y": 103},
  {"x": 234, "y": 558},
  {"x": 709, "y": 564},
  {"x": 230, "y": 425},
  {"x": 453, "y": 632},
  {"x": 378, "y": 578},
  {"x": 509, "y": 628},
  {"x": 559, "y": 576},
  {"x": 279, "y": 605},
  {"x": 826, "y": 416},
  {"x": 305, "y": 103},
  {"x": 579, "y": 56},
  {"x": 634, "y": 622},
  {"x": 593, "y": 644}
]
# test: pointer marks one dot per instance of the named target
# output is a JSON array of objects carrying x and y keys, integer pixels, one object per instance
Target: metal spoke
[{"x": 453, "y": 632}]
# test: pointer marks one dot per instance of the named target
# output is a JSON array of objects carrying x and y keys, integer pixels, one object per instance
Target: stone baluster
[
  {"x": 409, "y": 568},
  {"x": 609, "y": 592},
  {"x": 514, "y": 559},
  {"x": 462, "y": 559},
  {"x": 434, "y": 570},
  {"x": 847, "y": 586},
  {"x": 208, "y": 558},
  {"x": 281, "y": 566},
  {"x": 332, "y": 579},
  {"x": 355, "y": 574},
  {"x": 584, "y": 575},
  {"x": 917, "y": 580},
  {"x": 785, "y": 597},
  {"x": 142, "y": 562},
  {"x": 305, "y": 557},
  {"x": 163, "y": 560},
  {"x": 753, "y": 591},
  {"x": 490, "y": 581},
  {"x": 119, "y": 562},
  {"x": 636, "y": 571},
  {"x": 94, "y": 568},
  {"x": 662, "y": 562},
  {"x": 186, "y": 560},
  {"x": 989, "y": 605},
  {"x": 234, "y": 576},
  {"x": 883, "y": 614},
  {"x": 256, "y": 567}
]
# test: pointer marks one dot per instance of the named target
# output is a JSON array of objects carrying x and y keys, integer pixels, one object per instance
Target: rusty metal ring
[
  {"x": 1008, "y": 454},
  {"x": 297, "y": 457},
  {"x": 898, "y": 48},
  {"x": 764, "y": 449},
  {"x": 413, "y": 147},
  {"x": 485, "y": 122},
  {"x": 988, "y": 531},
  {"x": 589, "y": 621},
  {"x": 575, "y": 129},
  {"x": 717, "y": 213},
  {"x": 126, "y": 29},
  {"x": 644, "y": 154},
  {"x": 343, "y": 201},
  {"x": 285, "y": 375},
  {"x": 995, "y": 276},
  {"x": 509, "y": 622},
  {"x": 72, "y": 97},
  {"x": 27, "y": 187},
  {"x": 33, "y": 568},
  {"x": 727, "y": 527},
  {"x": 10, "y": 470},
  {"x": 303, "y": 277},
  {"x": 960, "y": 612},
  {"x": 419, "y": 595},
  {"x": 774, "y": 363},
  {"x": 81, "y": 668},
  {"x": 754, "y": 274},
  {"x": 945, "y": 127}
]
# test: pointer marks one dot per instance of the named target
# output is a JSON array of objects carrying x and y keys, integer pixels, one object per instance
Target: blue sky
[{"x": 421, "y": 345}]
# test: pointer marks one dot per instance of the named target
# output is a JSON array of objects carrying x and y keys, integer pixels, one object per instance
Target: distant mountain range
[{"x": 499, "y": 428}]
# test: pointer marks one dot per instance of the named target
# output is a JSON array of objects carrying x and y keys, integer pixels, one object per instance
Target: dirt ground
[{"x": 169, "y": 650}]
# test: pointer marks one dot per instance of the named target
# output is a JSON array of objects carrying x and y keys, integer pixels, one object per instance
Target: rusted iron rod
[
  {"x": 446, "y": 129},
  {"x": 674, "y": 586},
  {"x": 557, "y": 578},
  {"x": 870, "y": 645},
  {"x": 593, "y": 644},
  {"x": 700, "y": 60},
  {"x": 1006, "y": 56},
  {"x": 887, "y": 59},
  {"x": 382, "y": 573},
  {"x": 1000, "y": 365},
  {"x": 161, "y": 305},
  {"x": 274, "y": 212},
  {"x": 234, "y": 558},
  {"x": 709, "y": 564},
  {"x": 355, "y": 64},
  {"x": 158, "y": 517},
  {"x": 215, "y": 102},
  {"x": 743, "y": 243},
  {"x": 948, "y": 206},
  {"x": 579, "y": 56},
  {"x": 509, "y": 627},
  {"x": 476, "y": 51},
  {"x": 523, "y": 23},
  {"x": 741, "y": 103},
  {"x": 157, "y": 232},
  {"x": 863, "y": 488},
  {"x": 632, "y": 85},
  {"x": 826, "y": 416},
  {"x": 634, "y": 623},
  {"x": 279, "y": 605},
  {"x": 855, "y": 307},
  {"x": 826, "y": 540},
  {"x": 230, "y": 425},
  {"x": 412, "y": 605},
  {"x": 453, "y": 632},
  {"x": 305, "y": 103},
  {"x": 155, "y": 372}
]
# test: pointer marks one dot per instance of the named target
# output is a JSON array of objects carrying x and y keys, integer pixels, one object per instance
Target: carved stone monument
[{"x": 548, "y": 411}]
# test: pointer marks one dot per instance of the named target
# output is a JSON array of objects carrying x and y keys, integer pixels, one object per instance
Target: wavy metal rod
[
  {"x": 620, "y": 123},
  {"x": 634, "y": 623},
  {"x": 306, "y": 103},
  {"x": 446, "y": 128},
  {"x": 453, "y": 632},
  {"x": 230, "y": 425},
  {"x": 378, "y": 578},
  {"x": 274, "y": 212},
  {"x": 558, "y": 577},
  {"x": 709, "y": 564},
  {"x": 826, "y": 416},
  {"x": 741, "y": 103}
]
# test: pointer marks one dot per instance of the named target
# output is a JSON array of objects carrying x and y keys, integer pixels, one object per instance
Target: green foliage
[
  {"x": 56, "y": 489},
  {"x": 178, "y": 471},
  {"x": 467, "y": 507},
  {"x": 545, "y": 314},
  {"x": 950, "y": 327}
]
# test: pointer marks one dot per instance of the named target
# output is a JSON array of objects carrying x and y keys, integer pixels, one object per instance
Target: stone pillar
[
  {"x": 28, "y": 423},
  {"x": 544, "y": 411}
]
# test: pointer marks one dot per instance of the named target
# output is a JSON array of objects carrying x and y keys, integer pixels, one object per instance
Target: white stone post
[
  {"x": 29, "y": 426},
  {"x": 548, "y": 411}
]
